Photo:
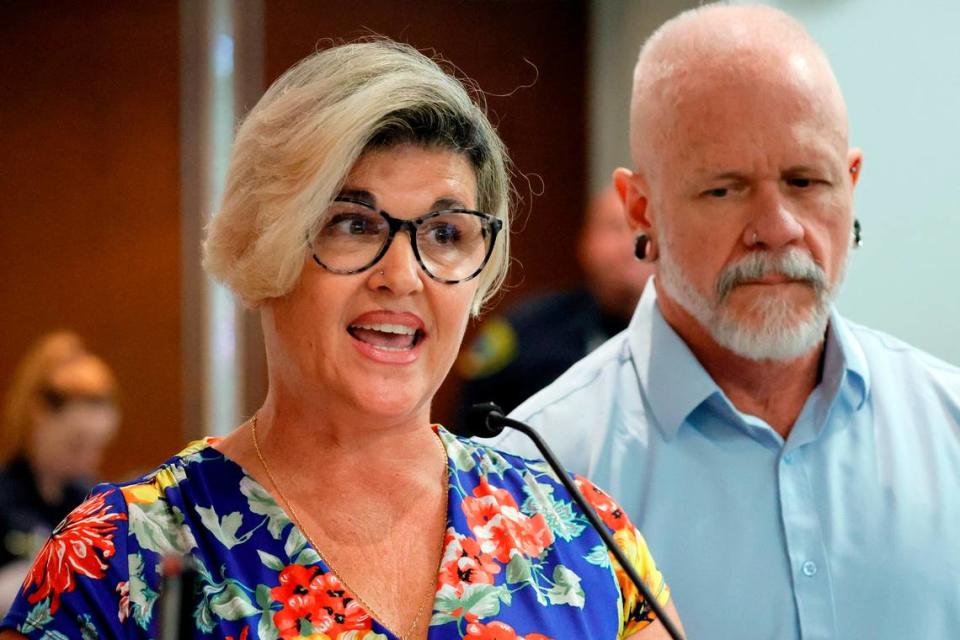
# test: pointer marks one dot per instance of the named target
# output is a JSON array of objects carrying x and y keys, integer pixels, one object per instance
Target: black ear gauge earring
[
  {"x": 640, "y": 248},
  {"x": 857, "y": 235}
]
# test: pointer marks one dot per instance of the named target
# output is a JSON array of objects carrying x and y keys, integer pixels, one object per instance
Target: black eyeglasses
[{"x": 451, "y": 245}]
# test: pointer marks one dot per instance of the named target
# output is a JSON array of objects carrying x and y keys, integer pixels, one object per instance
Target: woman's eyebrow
[
  {"x": 358, "y": 194},
  {"x": 448, "y": 203}
]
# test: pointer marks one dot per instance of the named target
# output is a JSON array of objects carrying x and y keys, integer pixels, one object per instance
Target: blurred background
[{"x": 115, "y": 122}]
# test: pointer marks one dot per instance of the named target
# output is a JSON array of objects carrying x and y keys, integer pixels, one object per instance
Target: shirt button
[
  {"x": 809, "y": 569},
  {"x": 788, "y": 459}
]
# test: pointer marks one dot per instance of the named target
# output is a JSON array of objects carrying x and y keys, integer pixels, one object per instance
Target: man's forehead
[
  {"x": 711, "y": 60},
  {"x": 746, "y": 111}
]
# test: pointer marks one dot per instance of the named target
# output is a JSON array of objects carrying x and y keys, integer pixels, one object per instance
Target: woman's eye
[
  {"x": 444, "y": 234},
  {"x": 800, "y": 183},
  {"x": 350, "y": 224}
]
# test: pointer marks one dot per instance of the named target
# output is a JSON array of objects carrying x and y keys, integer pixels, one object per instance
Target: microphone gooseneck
[{"x": 486, "y": 420}]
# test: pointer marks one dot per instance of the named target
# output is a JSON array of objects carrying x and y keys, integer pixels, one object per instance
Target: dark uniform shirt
[
  {"x": 516, "y": 354},
  {"x": 26, "y": 520}
]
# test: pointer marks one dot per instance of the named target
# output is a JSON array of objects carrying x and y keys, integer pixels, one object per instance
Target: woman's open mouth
[{"x": 386, "y": 336}]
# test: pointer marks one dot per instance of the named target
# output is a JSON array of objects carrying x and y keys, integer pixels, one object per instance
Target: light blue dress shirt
[{"x": 848, "y": 530}]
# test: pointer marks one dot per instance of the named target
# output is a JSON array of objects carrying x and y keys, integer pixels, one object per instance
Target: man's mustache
[{"x": 793, "y": 263}]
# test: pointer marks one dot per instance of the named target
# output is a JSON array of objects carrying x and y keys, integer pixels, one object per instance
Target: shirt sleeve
[
  {"x": 635, "y": 610},
  {"x": 78, "y": 586}
]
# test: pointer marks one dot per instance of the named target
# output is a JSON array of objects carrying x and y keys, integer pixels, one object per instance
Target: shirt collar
[
  {"x": 852, "y": 361},
  {"x": 675, "y": 383},
  {"x": 673, "y": 379}
]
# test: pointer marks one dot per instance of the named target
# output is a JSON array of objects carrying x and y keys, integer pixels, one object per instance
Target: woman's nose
[{"x": 398, "y": 269}]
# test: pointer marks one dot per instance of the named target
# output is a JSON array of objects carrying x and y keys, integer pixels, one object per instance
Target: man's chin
[{"x": 785, "y": 336}]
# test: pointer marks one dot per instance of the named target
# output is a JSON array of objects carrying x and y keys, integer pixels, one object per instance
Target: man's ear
[
  {"x": 632, "y": 189},
  {"x": 855, "y": 165}
]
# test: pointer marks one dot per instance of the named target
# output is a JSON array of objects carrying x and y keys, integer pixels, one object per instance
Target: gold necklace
[{"x": 296, "y": 520}]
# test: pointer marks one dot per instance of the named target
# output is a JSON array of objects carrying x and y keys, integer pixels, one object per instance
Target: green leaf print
[
  {"x": 295, "y": 543},
  {"x": 599, "y": 556},
  {"x": 232, "y": 603},
  {"x": 225, "y": 529},
  {"x": 227, "y": 600},
  {"x": 266, "y": 630},
  {"x": 261, "y": 503},
  {"x": 566, "y": 588},
  {"x": 308, "y": 557},
  {"x": 142, "y": 597},
  {"x": 459, "y": 454},
  {"x": 159, "y": 528},
  {"x": 87, "y": 629},
  {"x": 481, "y": 600},
  {"x": 38, "y": 617},
  {"x": 492, "y": 463},
  {"x": 543, "y": 468},
  {"x": 561, "y": 515},
  {"x": 270, "y": 561},
  {"x": 53, "y": 635},
  {"x": 518, "y": 570},
  {"x": 263, "y": 597}
]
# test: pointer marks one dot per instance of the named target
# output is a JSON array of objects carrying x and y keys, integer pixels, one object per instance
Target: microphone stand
[
  {"x": 176, "y": 598},
  {"x": 494, "y": 414}
]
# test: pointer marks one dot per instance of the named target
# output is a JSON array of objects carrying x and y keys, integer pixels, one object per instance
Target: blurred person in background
[
  {"x": 60, "y": 414},
  {"x": 365, "y": 216},
  {"x": 516, "y": 354}
]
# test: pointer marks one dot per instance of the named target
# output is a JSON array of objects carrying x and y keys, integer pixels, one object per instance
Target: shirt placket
[{"x": 805, "y": 549}]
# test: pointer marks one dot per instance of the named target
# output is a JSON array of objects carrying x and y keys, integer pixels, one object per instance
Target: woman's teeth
[{"x": 390, "y": 337}]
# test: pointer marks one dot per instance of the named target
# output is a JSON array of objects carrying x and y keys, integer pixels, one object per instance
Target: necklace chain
[{"x": 296, "y": 520}]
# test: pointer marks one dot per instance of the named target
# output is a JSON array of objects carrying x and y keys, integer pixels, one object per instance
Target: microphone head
[{"x": 478, "y": 423}]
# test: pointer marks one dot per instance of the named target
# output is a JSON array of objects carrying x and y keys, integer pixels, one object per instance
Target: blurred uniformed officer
[{"x": 523, "y": 350}]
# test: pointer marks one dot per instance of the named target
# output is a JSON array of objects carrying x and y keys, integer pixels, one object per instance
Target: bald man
[{"x": 795, "y": 474}]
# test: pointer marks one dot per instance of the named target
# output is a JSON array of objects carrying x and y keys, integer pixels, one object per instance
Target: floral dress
[{"x": 519, "y": 562}]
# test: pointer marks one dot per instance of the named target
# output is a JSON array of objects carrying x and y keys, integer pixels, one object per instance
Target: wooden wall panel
[
  {"x": 89, "y": 200},
  {"x": 505, "y": 46}
]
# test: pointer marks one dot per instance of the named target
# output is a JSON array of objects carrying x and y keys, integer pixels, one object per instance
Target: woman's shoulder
[{"x": 546, "y": 525}]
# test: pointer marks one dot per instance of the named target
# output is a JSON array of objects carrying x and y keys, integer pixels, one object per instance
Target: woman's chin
[{"x": 394, "y": 401}]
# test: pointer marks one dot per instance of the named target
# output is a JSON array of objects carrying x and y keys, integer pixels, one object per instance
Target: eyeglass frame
[{"x": 395, "y": 225}]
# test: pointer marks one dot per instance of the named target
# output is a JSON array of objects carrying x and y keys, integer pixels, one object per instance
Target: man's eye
[{"x": 719, "y": 192}]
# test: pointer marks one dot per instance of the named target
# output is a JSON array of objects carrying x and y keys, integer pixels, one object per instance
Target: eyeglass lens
[{"x": 452, "y": 245}]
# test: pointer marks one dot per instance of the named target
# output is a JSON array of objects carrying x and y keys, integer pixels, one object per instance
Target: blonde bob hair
[
  {"x": 297, "y": 145},
  {"x": 57, "y": 370}
]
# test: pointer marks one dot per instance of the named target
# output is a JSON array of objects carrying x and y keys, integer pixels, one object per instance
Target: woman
[
  {"x": 60, "y": 414},
  {"x": 352, "y": 220}
]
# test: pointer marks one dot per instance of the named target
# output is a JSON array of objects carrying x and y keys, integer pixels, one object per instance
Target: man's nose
[
  {"x": 398, "y": 269},
  {"x": 774, "y": 222}
]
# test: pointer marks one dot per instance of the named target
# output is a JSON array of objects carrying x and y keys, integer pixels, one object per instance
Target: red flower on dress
[
  {"x": 605, "y": 506},
  {"x": 464, "y": 563},
  {"x": 498, "y": 631},
  {"x": 123, "y": 612},
  {"x": 309, "y": 593},
  {"x": 243, "y": 634},
  {"x": 498, "y": 524},
  {"x": 72, "y": 549}
]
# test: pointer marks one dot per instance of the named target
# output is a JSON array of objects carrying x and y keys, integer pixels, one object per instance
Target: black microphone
[{"x": 486, "y": 420}]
